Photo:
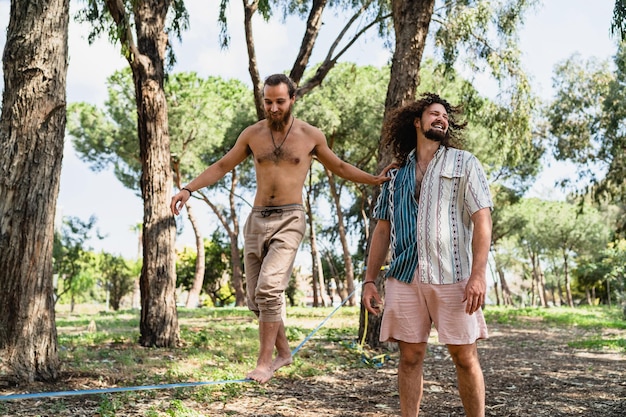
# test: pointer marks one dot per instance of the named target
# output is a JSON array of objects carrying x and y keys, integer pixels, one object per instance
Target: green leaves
[
  {"x": 202, "y": 114},
  {"x": 587, "y": 122}
]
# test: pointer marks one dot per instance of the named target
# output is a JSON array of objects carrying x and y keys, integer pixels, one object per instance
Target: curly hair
[{"x": 400, "y": 136}]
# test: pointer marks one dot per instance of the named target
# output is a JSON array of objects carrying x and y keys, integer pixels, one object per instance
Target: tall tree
[
  {"x": 203, "y": 115},
  {"x": 459, "y": 26},
  {"x": 373, "y": 13},
  {"x": 145, "y": 50},
  {"x": 586, "y": 124},
  {"x": 352, "y": 127},
  {"x": 32, "y": 128}
]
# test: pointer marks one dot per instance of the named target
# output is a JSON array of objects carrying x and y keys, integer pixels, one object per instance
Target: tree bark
[
  {"x": 347, "y": 258},
  {"x": 507, "y": 299},
  {"x": 411, "y": 20},
  {"x": 193, "y": 298},
  {"x": 317, "y": 278},
  {"x": 159, "y": 321},
  {"x": 32, "y": 130},
  {"x": 313, "y": 26},
  {"x": 233, "y": 234},
  {"x": 250, "y": 7},
  {"x": 568, "y": 285}
]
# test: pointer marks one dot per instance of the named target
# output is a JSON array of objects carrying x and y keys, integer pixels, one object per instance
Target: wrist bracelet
[
  {"x": 187, "y": 189},
  {"x": 369, "y": 282}
]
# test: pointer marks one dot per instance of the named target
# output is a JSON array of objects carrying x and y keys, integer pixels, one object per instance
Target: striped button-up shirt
[{"x": 438, "y": 235}]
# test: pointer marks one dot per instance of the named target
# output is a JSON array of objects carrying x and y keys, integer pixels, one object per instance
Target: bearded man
[
  {"x": 282, "y": 147},
  {"x": 435, "y": 213}
]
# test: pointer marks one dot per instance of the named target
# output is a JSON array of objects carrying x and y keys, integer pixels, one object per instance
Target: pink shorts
[{"x": 410, "y": 310}]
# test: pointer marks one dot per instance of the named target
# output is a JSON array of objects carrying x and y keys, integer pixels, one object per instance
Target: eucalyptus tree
[
  {"x": 203, "y": 114},
  {"x": 32, "y": 127},
  {"x": 142, "y": 28},
  {"x": 217, "y": 268},
  {"x": 486, "y": 32},
  {"x": 361, "y": 16},
  {"x": 537, "y": 217},
  {"x": 505, "y": 224},
  {"x": 614, "y": 260},
  {"x": 352, "y": 127},
  {"x": 586, "y": 124}
]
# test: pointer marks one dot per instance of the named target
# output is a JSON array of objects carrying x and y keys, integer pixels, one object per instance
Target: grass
[
  {"x": 599, "y": 321},
  {"x": 221, "y": 344},
  {"x": 582, "y": 317}
]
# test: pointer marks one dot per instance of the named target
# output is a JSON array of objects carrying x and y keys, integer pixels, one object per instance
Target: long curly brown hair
[{"x": 399, "y": 134}]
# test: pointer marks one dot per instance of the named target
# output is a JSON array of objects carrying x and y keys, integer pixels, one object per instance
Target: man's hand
[
  {"x": 179, "y": 200},
  {"x": 383, "y": 177},
  {"x": 475, "y": 293},
  {"x": 371, "y": 299}
]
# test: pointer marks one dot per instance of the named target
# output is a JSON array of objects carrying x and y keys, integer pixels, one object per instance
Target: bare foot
[
  {"x": 280, "y": 361},
  {"x": 261, "y": 374}
]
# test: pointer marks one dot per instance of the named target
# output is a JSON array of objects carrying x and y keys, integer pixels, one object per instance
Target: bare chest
[{"x": 292, "y": 152}]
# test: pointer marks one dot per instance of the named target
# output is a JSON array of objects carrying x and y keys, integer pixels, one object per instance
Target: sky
[{"x": 551, "y": 33}]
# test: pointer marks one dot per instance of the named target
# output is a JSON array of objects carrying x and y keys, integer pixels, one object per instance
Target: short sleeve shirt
[
  {"x": 397, "y": 204},
  {"x": 434, "y": 234}
]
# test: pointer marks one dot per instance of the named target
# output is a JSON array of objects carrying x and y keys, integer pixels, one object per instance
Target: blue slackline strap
[{"x": 161, "y": 386}]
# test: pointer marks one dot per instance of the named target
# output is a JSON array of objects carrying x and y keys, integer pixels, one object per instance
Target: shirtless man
[{"x": 283, "y": 148}]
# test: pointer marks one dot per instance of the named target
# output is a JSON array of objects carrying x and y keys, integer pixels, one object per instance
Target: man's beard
[
  {"x": 436, "y": 135},
  {"x": 278, "y": 125}
]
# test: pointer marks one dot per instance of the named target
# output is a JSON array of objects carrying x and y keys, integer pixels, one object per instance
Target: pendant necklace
[
  {"x": 277, "y": 149},
  {"x": 420, "y": 168},
  {"x": 418, "y": 183}
]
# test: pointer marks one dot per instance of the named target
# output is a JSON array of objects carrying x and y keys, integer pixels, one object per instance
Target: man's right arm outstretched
[{"x": 213, "y": 173}]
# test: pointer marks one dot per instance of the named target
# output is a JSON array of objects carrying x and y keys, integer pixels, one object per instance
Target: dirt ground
[{"x": 528, "y": 372}]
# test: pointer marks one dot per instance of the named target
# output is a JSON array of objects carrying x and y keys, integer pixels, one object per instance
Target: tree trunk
[
  {"x": 539, "y": 278},
  {"x": 233, "y": 235},
  {"x": 235, "y": 252},
  {"x": 193, "y": 298},
  {"x": 347, "y": 257},
  {"x": 562, "y": 301},
  {"x": 411, "y": 20},
  {"x": 568, "y": 286},
  {"x": 159, "y": 320},
  {"x": 32, "y": 130},
  {"x": 316, "y": 265},
  {"x": 507, "y": 299},
  {"x": 253, "y": 68}
]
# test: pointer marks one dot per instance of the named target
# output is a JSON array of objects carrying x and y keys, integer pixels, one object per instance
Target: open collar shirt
[{"x": 434, "y": 234}]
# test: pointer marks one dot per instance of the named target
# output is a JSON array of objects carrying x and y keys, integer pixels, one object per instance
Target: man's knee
[
  {"x": 464, "y": 356},
  {"x": 412, "y": 354}
]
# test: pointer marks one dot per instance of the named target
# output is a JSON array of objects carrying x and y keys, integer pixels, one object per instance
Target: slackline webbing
[{"x": 160, "y": 386}]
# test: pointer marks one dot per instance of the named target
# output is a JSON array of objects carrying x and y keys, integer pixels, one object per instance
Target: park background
[
  {"x": 554, "y": 31},
  {"x": 538, "y": 361}
]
